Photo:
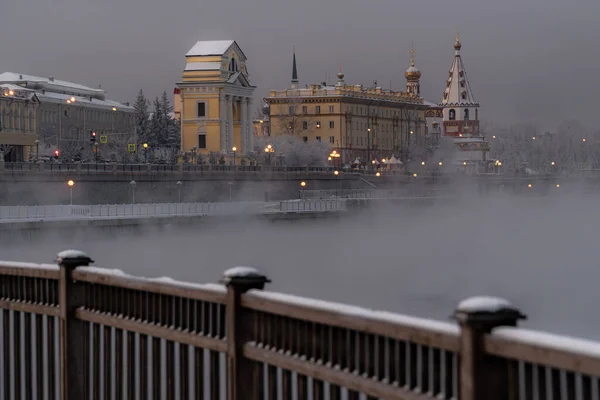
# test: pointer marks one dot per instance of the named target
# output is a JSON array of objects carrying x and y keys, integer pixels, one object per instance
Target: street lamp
[
  {"x": 179, "y": 190},
  {"x": 423, "y": 163},
  {"x": 234, "y": 150},
  {"x": 145, "y": 145},
  {"x": 96, "y": 152},
  {"x": 583, "y": 140},
  {"x": 37, "y": 150},
  {"x": 440, "y": 163},
  {"x": 133, "y": 183},
  {"x": 71, "y": 183},
  {"x": 378, "y": 173},
  {"x": 269, "y": 149},
  {"x": 230, "y": 185},
  {"x": 336, "y": 173},
  {"x": 302, "y": 185}
]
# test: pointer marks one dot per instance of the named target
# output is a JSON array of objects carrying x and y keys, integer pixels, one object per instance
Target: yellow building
[
  {"x": 214, "y": 100},
  {"x": 370, "y": 123},
  {"x": 18, "y": 139}
]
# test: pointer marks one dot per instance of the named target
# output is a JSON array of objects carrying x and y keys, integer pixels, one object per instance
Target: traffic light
[
  {"x": 92, "y": 136},
  {"x": 56, "y": 153}
]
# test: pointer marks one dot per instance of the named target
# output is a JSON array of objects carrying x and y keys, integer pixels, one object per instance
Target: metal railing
[
  {"x": 373, "y": 193},
  {"x": 70, "y": 331},
  {"x": 110, "y": 211}
]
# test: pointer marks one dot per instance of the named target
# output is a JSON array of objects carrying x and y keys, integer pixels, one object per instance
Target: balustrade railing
[{"x": 71, "y": 331}]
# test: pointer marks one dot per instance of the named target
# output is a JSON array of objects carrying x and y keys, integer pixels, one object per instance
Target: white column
[
  {"x": 250, "y": 128},
  {"x": 223, "y": 122},
  {"x": 229, "y": 140},
  {"x": 243, "y": 125}
]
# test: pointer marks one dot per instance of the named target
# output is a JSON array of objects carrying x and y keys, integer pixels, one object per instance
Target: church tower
[
  {"x": 460, "y": 110},
  {"x": 413, "y": 76}
]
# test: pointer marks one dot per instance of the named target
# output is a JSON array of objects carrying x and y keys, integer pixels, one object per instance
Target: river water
[{"x": 539, "y": 252}]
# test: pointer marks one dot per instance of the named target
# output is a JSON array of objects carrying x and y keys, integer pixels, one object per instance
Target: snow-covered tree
[{"x": 141, "y": 117}]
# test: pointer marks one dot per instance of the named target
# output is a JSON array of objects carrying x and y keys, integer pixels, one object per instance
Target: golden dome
[{"x": 413, "y": 73}]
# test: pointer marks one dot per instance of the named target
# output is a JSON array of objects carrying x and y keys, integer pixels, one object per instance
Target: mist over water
[{"x": 539, "y": 252}]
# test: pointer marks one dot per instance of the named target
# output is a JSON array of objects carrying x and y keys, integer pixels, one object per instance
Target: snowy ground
[{"x": 540, "y": 253}]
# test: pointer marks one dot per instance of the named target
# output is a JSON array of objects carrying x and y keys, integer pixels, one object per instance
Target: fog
[{"x": 539, "y": 252}]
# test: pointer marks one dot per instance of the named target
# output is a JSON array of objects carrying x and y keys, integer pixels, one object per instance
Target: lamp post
[
  {"x": 179, "y": 190},
  {"x": 302, "y": 186},
  {"x": 234, "y": 150},
  {"x": 230, "y": 185},
  {"x": 37, "y": 150},
  {"x": 71, "y": 183},
  {"x": 145, "y": 145},
  {"x": 133, "y": 183},
  {"x": 96, "y": 152},
  {"x": 336, "y": 173},
  {"x": 269, "y": 149}
]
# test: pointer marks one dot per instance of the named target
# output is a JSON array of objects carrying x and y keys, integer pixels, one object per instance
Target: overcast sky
[{"x": 532, "y": 60}]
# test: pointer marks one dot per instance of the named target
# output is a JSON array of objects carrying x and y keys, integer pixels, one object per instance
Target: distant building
[
  {"x": 68, "y": 112},
  {"x": 461, "y": 112},
  {"x": 18, "y": 137},
  {"x": 214, "y": 100},
  {"x": 370, "y": 123}
]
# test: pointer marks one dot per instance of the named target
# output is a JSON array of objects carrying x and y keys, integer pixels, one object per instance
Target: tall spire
[
  {"x": 413, "y": 75},
  {"x": 412, "y": 52},
  {"x": 294, "y": 72}
]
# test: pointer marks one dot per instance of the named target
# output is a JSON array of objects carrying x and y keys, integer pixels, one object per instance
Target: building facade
[
  {"x": 215, "y": 100},
  {"x": 358, "y": 122},
  {"x": 18, "y": 138},
  {"x": 68, "y": 112}
]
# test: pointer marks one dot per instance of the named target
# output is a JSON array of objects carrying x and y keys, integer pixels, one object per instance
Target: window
[
  {"x": 304, "y": 124},
  {"x": 233, "y": 66},
  {"x": 202, "y": 141},
  {"x": 318, "y": 110},
  {"x": 331, "y": 109},
  {"x": 304, "y": 110},
  {"x": 318, "y": 124},
  {"x": 466, "y": 118},
  {"x": 291, "y": 110},
  {"x": 305, "y": 139},
  {"x": 319, "y": 139},
  {"x": 331, "y": 139},
  {"x": 331, "y": 124},
  {"x": 201, "y": 110},
  {"x": 452, "y": 115}
]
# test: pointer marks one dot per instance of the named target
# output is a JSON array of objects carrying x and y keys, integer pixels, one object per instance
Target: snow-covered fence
[
  {"x": 71, "y": 331},
  {"x": 371, "y": 193},
  {"x": 122, "y": 211}
]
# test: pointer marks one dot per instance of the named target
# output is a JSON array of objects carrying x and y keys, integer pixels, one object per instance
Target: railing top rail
[
  {"x": 443, "y": 335},
  {"x": 48, "y": 271},
  {"x": 562, "y": 352},
  {"x": 113, "y": 277}
]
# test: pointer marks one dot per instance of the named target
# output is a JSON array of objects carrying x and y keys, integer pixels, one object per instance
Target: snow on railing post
[
  {"x": 240, "y": 377},
  {"x": 483, "y": 377},
  {"x": 72, "y": 332}
]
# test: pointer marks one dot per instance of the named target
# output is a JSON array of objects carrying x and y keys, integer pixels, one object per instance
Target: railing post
[
  {"x": 482, "y": 377},
  {"x": 72, "y": 332},
  {"x": 240, "y": 380}
]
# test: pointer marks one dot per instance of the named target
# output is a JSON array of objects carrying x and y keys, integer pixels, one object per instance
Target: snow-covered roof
[
  {"x": 202, "y": 66},
  {"x": 210, "y": 48},
  {"x": 431, "y": 104},
  {"x": 81, "y": 101},
  {"x": 12, "y": 77},
  {"x": 458, "y": 89}
]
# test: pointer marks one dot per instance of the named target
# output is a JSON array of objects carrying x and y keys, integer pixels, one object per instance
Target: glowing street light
[
  {"x": 71, "y": 183},
  {"x": 269, "y": 149},
  {"x": 234, "y": 149},
  {"x": 558, "y": 185},
  {"x": 494, "y": 137},
  {"x": 423, "y": 163},
  {"x": 553, "y": 163},
  {"x": 145, "y": 146},
  {"x": 440, "y": 163},
  {"x": 336, "y": 172},
  {"x": 583, "y": 140},
  {"x": 529, "y": 185},
  {"x": 378, "y": 173},
  {"x": 414, "y": 175},
  {"x": 72, "y": 99},
  {"x": 533, "y": 138},
  {"x": 465, "y": 163},
  {"x": 303, "y": 184}
]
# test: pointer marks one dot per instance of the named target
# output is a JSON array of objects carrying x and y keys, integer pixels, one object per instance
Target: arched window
[
  {"x": 452, "y": 115},
  {"x": 466, "y": 118},
  {"x": 233, "y": 65}
]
